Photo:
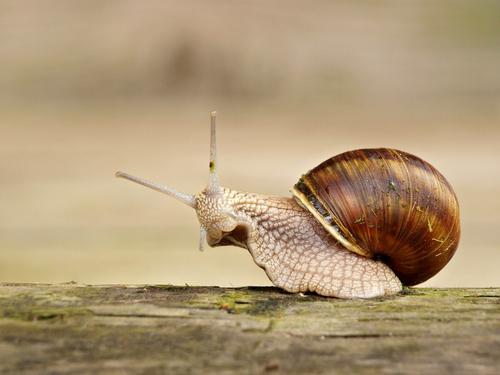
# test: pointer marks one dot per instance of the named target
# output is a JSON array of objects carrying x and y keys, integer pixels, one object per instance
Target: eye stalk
[
  {"x": 215, "y": 216},
  {"x": 213, "y": 178},
  {"x": 187, "y": 199}
]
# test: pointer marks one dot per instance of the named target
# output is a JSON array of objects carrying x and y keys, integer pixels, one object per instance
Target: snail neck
[
  {"x": 285, "y": 239},
  {"x": 228, "y": 217},
  {"x": 279, "y": 226},
  {"x": 247, "y": 220}
]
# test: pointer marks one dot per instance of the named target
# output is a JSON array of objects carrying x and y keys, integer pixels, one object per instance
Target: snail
[{"x": 359, "y": 225}]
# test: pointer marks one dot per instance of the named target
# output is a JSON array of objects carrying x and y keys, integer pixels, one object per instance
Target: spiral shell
[{"x": 386, "y": 204}]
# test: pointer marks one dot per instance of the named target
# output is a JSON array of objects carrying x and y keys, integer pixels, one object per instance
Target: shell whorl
[{"x": 386, "y": 204}]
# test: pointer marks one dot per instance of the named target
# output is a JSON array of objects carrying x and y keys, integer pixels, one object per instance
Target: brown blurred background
[{"x": 90, "y": 87}]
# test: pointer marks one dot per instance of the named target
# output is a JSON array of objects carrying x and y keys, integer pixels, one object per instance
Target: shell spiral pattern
[{"x": 386, "y": 204}]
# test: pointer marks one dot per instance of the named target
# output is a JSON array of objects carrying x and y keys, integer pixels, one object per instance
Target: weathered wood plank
[{"x": 74, "y": 329}]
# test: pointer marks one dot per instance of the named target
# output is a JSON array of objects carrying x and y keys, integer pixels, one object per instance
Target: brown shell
[{"x": 386, "y": 204}]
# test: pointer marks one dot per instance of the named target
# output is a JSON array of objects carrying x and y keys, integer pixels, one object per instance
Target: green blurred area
[{"x": 89, "y": 87}]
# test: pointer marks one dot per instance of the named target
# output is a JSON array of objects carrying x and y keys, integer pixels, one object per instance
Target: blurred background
[{"x": 90, "y": 87}]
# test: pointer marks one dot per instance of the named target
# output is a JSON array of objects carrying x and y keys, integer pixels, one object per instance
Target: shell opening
[
  {"x": 307, "y": 198},
  {"x": 302, "y": 187}
]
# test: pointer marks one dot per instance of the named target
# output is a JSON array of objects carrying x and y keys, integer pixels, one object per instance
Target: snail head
[{"x": 220, "y": 222}]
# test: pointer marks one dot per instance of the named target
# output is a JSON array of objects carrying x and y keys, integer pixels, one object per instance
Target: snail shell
[{"x": 386, "y": 204}]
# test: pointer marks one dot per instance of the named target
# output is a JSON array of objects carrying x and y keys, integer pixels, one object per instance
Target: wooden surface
[{"x": 77, "y": 329}]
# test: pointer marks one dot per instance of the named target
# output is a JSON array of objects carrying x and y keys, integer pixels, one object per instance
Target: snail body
[{"x": 359, "y": 225}]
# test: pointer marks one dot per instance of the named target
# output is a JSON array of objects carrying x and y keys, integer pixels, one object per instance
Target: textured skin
[{"x": 296, "y": 252}]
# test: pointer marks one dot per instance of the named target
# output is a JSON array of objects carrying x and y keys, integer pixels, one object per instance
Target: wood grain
[{"x": 122, "y": 329}]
